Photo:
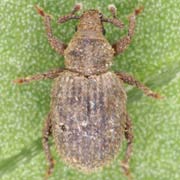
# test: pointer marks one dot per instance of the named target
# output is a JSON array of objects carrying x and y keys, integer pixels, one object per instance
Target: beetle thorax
[{"x": 89, "y": 52}]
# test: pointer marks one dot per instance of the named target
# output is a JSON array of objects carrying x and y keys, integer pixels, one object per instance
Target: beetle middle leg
[
  {"x": 122, "y": 44},
  {"x": 46, "y": 134},
  {"x": 47, "y": 75},
  {"x": 129, "y": 138},
  {"x": 126, "y": 78}
]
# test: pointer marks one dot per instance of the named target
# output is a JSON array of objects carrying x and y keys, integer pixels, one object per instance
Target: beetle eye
[
  {"x": 100, "y": 15},
  {"x": 104, "y": 31},
  {"x": 75, "y": 28}
]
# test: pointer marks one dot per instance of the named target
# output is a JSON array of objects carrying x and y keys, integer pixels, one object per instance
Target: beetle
[{"x": 88, "y": 117}]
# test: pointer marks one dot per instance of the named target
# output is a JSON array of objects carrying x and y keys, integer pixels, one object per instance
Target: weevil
[{"x": 88, "y": 117}]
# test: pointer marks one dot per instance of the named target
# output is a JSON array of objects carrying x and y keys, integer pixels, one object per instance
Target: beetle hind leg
[
  {"x": 126, "y": 78},
  {"x": 129, "y": 138},
  {"x": 45, "y": 141}
]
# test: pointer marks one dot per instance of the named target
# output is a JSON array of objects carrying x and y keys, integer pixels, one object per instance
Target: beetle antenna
[
  {"x": 112, "y": 8},
  {"x": 72, "y": 15},
  {"x": 116, "y": 22},
  {"x": 77, "y": 7}
]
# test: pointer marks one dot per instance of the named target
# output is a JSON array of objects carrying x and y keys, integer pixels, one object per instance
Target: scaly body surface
[{"x": 88, "y": 118}]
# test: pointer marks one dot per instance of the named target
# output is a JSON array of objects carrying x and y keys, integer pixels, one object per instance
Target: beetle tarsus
[
  {"x": 126, "y": 170},
  {"x": 45, "y": 141},
  {"x": 129, "y": 137},
  {"x": 41, "y": 12},
  {"x": 47, "y": 75},
  {"x": 50, "y": 169},
  {"x": 155, "y": 95},
  {"x": 139, "y": 10},
  {"x": 18, "y": 81}
]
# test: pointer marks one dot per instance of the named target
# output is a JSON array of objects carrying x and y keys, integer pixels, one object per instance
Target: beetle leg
[
  {"x": 126, "y": 78},
  {"x": 47, "y": 75},
  {"x": 56, "y": 44},
  {"x": 129, "y": 138},
  {"x": 123, "y": 43},
  {"x": 46, "y": 133}
]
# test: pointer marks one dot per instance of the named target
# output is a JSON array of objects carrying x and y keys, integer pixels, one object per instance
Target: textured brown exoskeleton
[{"x": 88, "y": 117}]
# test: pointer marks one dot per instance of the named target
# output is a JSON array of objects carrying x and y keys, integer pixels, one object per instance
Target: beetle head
[{"x": 90, "y": 21}]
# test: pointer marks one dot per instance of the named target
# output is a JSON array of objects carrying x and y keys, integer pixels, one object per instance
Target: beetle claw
[
  {"x": 125, "y": 167},
  {"x": 50, "y": 169},
  {"x": 136, "y": 12},
  {"x": 155, "y": 95},
  {"x": 41, "y": 12},
  {"x": 18, "y": 81},
  {"x": 139, "y": 10}
]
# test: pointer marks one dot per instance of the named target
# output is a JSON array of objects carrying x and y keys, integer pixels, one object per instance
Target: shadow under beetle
[{"x": 88, "y": 117}]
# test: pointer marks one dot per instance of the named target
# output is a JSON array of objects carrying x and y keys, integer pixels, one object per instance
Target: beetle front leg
[
  {"x": 129, "y": 138},
  {"x": 47, "y": 75},
  {"x": 45, "y": 141},
  {"x": 56, "y": 44},
  {"x": 122, "y": 44},
  {"x": 126, "y": 78}
]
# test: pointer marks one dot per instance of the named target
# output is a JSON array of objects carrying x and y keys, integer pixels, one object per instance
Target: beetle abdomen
[{"x": 88, "y": 118}]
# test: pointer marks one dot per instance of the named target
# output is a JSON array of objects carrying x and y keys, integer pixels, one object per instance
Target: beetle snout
[{"x": 91, "y": 21}]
